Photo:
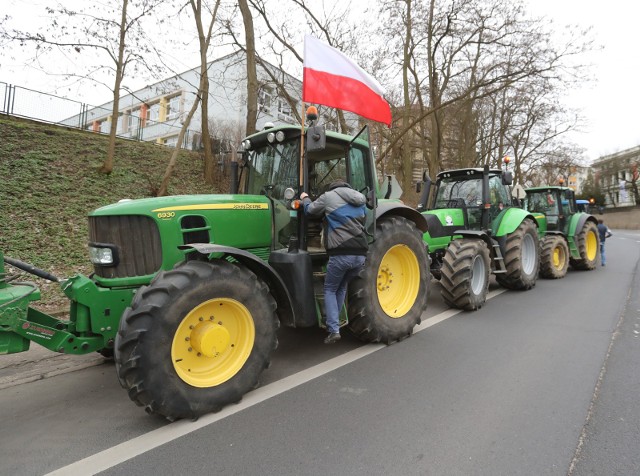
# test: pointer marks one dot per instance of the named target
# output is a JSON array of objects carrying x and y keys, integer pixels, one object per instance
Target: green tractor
[
  {"x": 189, "y": 291},
  {"x": 475, "y": 229},
  {"x": 567, "y": 236}
]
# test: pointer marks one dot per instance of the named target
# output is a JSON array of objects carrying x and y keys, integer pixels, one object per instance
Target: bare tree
[
  {"x": 204, "y": 40},
  {"x": 114, "y": 33},
  {"x": 252, "y": 74},
  {"x": 202, "y": 99},
  {"x": 466, "y": 59}
]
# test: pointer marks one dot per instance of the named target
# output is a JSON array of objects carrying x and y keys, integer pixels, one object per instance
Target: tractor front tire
[
  {"x": 196, "y": 339},
  {"x": 588, "y": 243},
  {"x": 554, "y": 257},
  {"x": 387, "y": 299},
  {"x": 465, "y": 274},
  {"x": 521, "y": 258}
]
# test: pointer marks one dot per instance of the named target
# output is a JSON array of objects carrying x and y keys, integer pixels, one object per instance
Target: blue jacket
[
  {"x": 603, "y": 231},
  {"x": 344, "y": 209}
]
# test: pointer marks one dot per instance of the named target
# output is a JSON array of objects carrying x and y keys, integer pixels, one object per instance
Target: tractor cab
[
  {"x": 555, "y": 203},
  {"x": 271, "y": 165},
  {"x": 470, "y": 199}
]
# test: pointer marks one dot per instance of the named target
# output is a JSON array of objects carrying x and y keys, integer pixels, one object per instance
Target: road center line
[{"x": 130, "y": 449}]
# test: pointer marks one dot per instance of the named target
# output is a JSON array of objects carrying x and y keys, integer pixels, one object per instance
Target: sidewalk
[{"x": 38, "y": 363}]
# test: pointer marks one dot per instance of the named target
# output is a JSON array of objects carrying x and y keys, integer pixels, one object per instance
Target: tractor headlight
[
  {"x": 103, "y": 254},
  {"x": 246, "y": 144},
  {"x": 271, "y": 137}
]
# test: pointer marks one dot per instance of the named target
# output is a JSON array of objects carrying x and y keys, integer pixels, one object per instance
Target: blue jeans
[
  {"x": 340, "y": 270},
  {"x": 603, "y": 260}
]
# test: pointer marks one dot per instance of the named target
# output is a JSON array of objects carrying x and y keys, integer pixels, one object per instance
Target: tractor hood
[
  {"x": 158, "y": 207},
  {"x": 131, "y": 240}
]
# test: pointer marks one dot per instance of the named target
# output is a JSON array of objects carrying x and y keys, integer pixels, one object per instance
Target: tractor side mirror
[
  {"x": 507, "y": 178},
  {"x": 316, "y": 138}
]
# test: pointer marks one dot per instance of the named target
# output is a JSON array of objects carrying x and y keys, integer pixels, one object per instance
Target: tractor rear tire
[
  {"x": 387, "y": 299},
  {"x": 521, "y": 258},
  {"x": 196, "y": 339},
  {"x": 588, "y": 242},
  {"x": 465, "y": 274},
  {"x": 554, "y": 257}
]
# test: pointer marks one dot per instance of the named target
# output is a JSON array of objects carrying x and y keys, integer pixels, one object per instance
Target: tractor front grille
[{"x": 137, "y": 240}]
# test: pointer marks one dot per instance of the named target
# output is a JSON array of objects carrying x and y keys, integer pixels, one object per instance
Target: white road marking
[{"x": 130, "y": 449}]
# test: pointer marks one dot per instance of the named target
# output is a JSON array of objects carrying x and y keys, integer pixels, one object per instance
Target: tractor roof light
[
  {"x": 246, "y": 144},
  {"x": 275, "y": 136},
  {"x": 312, "y": 113}
]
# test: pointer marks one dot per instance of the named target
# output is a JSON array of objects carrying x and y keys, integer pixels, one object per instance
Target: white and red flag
[{"x": 332, "y": 79}]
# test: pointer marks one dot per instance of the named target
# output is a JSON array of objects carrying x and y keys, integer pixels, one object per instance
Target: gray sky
[{"x": 610, "y": 104}]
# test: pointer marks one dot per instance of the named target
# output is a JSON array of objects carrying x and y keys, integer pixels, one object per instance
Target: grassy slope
[{"x": 50, "y": 180}]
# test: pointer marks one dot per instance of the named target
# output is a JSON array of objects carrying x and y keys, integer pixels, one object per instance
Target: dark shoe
[{"x": 332, "y": 338}]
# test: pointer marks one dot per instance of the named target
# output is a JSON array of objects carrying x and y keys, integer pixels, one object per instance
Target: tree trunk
[
  {"x": 252, "y": 74},
  {"x": 107, "y": 166},
  {"x": 204, "y": 40},
  {"x": 164, "y": 186}
]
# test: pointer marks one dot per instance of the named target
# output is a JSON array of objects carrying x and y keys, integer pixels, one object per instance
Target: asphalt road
[{"x": 539, "y": 382}]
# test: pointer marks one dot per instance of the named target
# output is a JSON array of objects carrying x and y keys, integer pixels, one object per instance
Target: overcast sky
[{"x": 611, "y": 104}]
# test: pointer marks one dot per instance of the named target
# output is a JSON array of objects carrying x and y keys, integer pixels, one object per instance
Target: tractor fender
[
  {"x": 577, "y": 223},
  {"x": 399, "y": 209},
  {"x": 477, "y": 235},
  {"x": 258, "y": 267},
  {"x": 511, "y": 220}
]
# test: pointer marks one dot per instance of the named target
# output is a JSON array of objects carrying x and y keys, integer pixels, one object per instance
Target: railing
[{"x": 44, "y": 107}]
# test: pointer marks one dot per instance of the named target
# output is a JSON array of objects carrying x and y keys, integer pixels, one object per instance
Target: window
[
  {"x": 105, "y": 126},
  {"x": 173, "y": 107},
  {"x": 283, "y": 107},
  {"x": 134, "y": 119},
  {"x": 154, "y": 112},
  {"x": 264, "y": 99},
  {"x": 171, "y": 141}
]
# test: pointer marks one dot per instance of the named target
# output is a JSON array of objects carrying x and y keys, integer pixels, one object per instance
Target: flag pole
[{"x": 302, "y": 149}]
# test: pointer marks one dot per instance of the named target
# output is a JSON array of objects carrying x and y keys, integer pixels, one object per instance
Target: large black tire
[
  {"x": 588, "y": 242},
  {"x": 387, "y": 299},
  {"x": 554, "y": 257},
  {"x": 465, "y": 274},
  {"x": 196, "y": 339},
  {"x": 521, "y": 258}
]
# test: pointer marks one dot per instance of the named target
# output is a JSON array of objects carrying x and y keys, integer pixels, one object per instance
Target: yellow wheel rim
[
  {"x": 398, "y": 281},
  {"x": 591, "y": 245},
  {"x": 213, "y": 342},
  {"x": 559, "y": 257}
]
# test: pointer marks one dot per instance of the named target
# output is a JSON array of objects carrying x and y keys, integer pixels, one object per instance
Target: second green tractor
[
  {"x": 567, "y": 236},
  {"x": 475, "y": 229}
]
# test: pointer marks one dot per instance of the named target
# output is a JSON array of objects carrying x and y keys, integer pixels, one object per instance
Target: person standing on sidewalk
[
  {"x": 346, "y": 244},
  {"x": 604, "y": 232}
]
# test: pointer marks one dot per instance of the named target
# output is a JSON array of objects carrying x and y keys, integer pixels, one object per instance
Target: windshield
[
  {"x": 456, "y": 193},
  {"x": 273, "y": 168}
]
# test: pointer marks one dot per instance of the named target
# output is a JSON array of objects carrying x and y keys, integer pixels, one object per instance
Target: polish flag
[{"x": 331, "y": 79}]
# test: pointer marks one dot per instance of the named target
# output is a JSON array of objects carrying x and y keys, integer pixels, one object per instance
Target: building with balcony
[
  {"x": 617, "y": 175},
  {"x": 157, "y": 112}
]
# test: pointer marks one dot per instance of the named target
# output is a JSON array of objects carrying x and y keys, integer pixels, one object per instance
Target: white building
[
  {"x": 618, "y": 176},
  {"x": 156, "y": 112}
]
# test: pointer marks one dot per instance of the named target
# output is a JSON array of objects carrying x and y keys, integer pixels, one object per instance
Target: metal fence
[{"x": 39, "y": 106}]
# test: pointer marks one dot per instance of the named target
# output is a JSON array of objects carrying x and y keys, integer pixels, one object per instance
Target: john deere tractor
[
  {"x": 475, "y": 229},
  {"x": 567, "y": 236},
  {"x": 189, "y": 291}
]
